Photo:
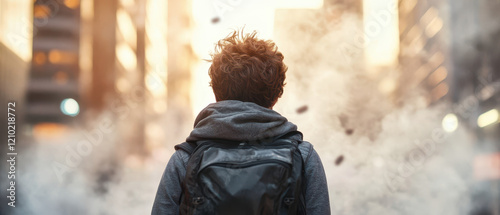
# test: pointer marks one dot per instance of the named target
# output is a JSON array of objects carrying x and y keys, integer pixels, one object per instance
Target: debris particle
[
  {"x": 339, "y": 160},
  {"x": 302, "y": 109},
  {"x": 349, "y": 131},
  {"x": 215, "y": 20}
]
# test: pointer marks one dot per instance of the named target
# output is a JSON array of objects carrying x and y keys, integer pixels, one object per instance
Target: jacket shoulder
[
  {"x": 305, "y": 149},
  {"x": 181, "y": 156}
]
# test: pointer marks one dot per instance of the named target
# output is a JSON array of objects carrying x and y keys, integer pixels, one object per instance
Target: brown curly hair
[{"x": 247, "y": 69}]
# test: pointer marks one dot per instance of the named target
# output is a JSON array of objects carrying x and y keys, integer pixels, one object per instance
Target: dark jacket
[{"x": 241, "y": 121}]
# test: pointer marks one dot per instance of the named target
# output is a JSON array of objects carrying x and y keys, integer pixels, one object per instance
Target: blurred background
[{"x": 399, "y": 97}]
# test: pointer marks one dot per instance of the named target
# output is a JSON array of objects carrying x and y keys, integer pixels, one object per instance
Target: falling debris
[
  {"x": 302, "y": 109},
  {"x": 349, "y": 131},
  {"x": 339, "y": 160},
  {"x": 215, "y": 20}
]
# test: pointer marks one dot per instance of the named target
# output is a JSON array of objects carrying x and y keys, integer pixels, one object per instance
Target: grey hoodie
[{"x": 241, "y": 121}]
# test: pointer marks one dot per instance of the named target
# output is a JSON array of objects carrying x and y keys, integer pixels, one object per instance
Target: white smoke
[{"x": 380, "y": 156}]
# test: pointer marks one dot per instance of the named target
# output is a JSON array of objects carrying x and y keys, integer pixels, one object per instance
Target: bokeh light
[{"x": 70, "y": 107}]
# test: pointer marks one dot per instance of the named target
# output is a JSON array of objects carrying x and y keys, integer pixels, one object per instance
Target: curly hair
[{"x": 247, "y": 69}]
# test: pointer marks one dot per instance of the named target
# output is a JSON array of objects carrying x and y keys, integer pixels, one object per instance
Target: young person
[{"x": 247, "y": 76}]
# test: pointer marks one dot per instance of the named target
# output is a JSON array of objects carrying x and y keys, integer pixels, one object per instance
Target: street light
[{"x": 70, "y": 107}]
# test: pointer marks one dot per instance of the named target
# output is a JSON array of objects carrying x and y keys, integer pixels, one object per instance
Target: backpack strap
[
  {"x": 301, "y": 208},
  {"x": 186, "y": 146},
  {"x": 289, "y": 135}
]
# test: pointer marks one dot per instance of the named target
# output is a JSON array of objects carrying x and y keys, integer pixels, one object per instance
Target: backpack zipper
[{"x": 246, "y": 164}]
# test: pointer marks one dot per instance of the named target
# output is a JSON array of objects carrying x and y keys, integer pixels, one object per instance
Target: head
[{"x": 247, "y": 69}]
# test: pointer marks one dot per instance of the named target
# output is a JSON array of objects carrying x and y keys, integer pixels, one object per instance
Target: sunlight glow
[{"x": 381, "y": 30}]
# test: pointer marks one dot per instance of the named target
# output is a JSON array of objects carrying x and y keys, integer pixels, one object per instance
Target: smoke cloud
[{"x": 381, "y": 155}]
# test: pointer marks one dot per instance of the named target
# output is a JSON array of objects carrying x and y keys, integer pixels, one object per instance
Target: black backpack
[{"x": 241, "y": 178}]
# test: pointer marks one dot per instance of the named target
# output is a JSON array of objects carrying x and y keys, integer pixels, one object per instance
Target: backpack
[{"x": 243, "y": 178}]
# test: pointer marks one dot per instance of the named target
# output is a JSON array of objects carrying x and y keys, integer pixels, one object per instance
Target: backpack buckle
[
  {"x": 198, "y": 200},
  {"x": 289, "y": 201}
]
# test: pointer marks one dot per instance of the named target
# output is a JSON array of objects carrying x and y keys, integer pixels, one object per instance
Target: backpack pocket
[{"x": 243, "y": 180}]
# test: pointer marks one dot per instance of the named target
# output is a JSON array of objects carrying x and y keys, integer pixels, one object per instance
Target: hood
[{"x": 238, "y": 121}]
